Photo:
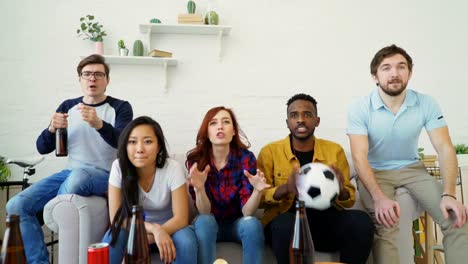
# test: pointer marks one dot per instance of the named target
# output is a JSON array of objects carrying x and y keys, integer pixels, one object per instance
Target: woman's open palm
[
  {"x": 258, "y": 181},
  {"x": 198, "y": 178}
]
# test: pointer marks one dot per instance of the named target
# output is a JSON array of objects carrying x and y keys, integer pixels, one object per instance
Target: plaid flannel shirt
[{"x": 229, "y": 189}]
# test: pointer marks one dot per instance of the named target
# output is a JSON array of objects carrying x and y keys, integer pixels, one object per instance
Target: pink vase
[{"x": 99, "y": 47}]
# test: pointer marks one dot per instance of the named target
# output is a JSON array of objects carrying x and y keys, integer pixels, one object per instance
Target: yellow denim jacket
[{"x": 276, "y": 161}]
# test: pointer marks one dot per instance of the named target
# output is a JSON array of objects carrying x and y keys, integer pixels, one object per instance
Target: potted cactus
[
  {"x": 212, "y": 16},
  {"x": 123, "y": 51},
  {"x": 155, "y": 21},
  {"x": 92, "y": 30},
  {"x": 138, "y": 49},
  {"x": 191, "y": 6}
]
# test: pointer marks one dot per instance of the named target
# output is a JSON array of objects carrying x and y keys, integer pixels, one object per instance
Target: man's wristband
[{"x": 449, "y": 195}]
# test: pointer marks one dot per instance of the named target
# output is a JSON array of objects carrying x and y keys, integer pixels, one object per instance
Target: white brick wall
[{"x": 276, "y": 48}]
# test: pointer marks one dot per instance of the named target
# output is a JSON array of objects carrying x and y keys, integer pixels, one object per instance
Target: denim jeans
[
  {"x": 245, "y": 230},
  {"x": 184, "y": 241},
  {"x": 84, "y": 181}
]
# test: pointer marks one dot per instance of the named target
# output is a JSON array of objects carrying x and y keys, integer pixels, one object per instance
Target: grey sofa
[{"x": 81, "y": 221}]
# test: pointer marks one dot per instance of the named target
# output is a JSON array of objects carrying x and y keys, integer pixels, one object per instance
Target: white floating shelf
[
  {"x": 218, "y": 30},
  {"x": 185, "y": 29},
  {"x": 140, "y": 60}
]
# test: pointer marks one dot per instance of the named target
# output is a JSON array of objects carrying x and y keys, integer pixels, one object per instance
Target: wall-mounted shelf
[
  {"x": 218, "y": 30},
  {"x": 137, "y": 60},
  {"x": 140, "y": 60},
  {"x": 184, "y": 29}
]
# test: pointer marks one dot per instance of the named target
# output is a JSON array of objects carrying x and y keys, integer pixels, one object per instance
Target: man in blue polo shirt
[
  {"x": 384, "y": 129},
  {"x": 94, "y": 122}
]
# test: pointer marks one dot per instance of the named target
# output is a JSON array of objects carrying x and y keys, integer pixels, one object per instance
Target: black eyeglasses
[{"x": 97, "y": 75}]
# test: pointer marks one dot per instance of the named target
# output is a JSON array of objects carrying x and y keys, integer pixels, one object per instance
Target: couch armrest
[{"x": 79, "y": 222}]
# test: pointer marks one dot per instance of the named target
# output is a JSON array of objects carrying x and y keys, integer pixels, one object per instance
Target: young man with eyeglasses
[{"x": 94, "y": 122}]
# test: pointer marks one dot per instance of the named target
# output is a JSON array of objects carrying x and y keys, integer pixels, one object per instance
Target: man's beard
[{"x": 392, "y": 92}]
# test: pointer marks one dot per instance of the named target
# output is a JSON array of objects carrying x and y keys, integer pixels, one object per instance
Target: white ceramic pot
[
  {"x": 462, "y": 160},
  {"x": 123, "y": 52}
]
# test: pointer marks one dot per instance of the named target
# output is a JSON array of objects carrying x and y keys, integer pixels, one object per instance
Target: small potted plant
[
  {"x": 4, "y": 170},
  {"x": 92, "y": 30},
  {"x": 462, "y": 154},
  {"x": 155, "y": 21},
  {"x": 191, "y": 7},
  {"x": 421, "y": 153},
  {"x": 212, "y": 16},
  {"x": 123, "y": 51}
]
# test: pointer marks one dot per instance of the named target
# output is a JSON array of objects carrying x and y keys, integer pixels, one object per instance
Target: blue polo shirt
[{"x": 393, "y": 138}]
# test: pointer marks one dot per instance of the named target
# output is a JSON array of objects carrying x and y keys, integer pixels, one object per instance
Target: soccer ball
[{"x": 317, "y": 185}]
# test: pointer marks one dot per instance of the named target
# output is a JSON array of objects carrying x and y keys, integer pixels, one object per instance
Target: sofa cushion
[{"x": 79, "y": 222}]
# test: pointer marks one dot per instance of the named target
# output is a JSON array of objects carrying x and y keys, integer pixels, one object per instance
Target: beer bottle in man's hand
[
  {"x": 61, "y": 139},
  {"x": 12, "y": 247},
  {"x": 137, "y": 245},
  {"x": 301, "y": 250}
]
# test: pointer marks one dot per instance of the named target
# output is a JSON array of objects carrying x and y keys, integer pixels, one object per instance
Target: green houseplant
[
  {"x": 123, "y": 51},
  {"x": 421, "y": 153},
  {"x": 462, "y": 154},
  {"x": 92, "y": 30},
  {"x": 461, "y": 149},
  {"x": 4, "y": 170}
]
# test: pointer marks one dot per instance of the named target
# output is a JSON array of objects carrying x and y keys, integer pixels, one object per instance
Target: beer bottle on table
[
  {"x": 12, "y": 247},
  {"x": 137, "y": 245},
  {"x": 301, "y": 250},
  {"x": 61, "y": 140}
]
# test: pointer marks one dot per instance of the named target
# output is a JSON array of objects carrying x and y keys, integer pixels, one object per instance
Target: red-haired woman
[{"x": 226, "y": 187}]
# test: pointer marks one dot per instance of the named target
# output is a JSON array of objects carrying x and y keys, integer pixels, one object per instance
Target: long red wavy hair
[{"x": 203, "y": 147}]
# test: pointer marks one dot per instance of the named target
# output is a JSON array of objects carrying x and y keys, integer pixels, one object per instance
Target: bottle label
[{"x": 14, "y": 249}]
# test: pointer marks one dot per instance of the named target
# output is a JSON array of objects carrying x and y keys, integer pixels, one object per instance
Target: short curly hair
[{"x": 302, "y": 96}]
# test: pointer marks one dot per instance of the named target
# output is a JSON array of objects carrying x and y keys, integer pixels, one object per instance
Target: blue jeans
[
  {"x": 184, "y": 241},
  {"x": 245, "y": 230},
  {"x": 84, "y": 181}
]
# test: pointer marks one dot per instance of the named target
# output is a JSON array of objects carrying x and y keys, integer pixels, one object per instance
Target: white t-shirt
[{"x": 157, "y": 203}]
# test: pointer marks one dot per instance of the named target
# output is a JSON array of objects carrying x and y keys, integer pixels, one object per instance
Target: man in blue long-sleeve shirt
[{"x": 94, "y": 122}]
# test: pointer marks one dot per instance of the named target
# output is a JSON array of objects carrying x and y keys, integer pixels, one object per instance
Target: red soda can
[{"x": 98, "y": 253}]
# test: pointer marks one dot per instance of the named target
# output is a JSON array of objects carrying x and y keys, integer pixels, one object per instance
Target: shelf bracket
[
  {"x": 165, "y": 76},
  {"x": 148, "y": 39},
  {"x": 220, "y": 45}
]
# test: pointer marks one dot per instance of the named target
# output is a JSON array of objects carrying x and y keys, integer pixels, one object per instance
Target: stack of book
[
  {"x": 190, "y": 19},
  {"x": 160, "y": 53}
]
